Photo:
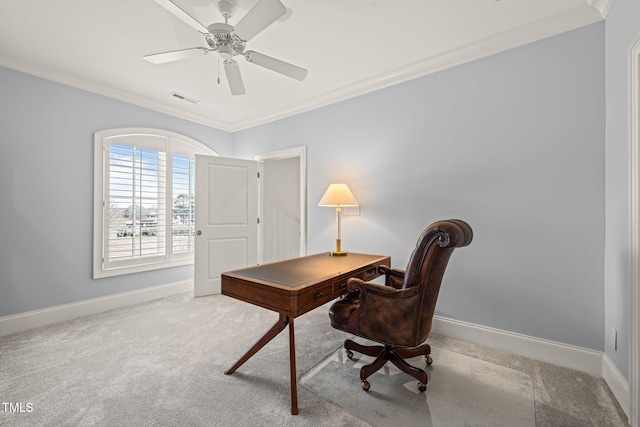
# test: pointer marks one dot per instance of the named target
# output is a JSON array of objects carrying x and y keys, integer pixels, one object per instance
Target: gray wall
[
  {"x": 46, "y": 189},
  {"x": 622, "y": 28},
  {"x": 513, "y": 144}
]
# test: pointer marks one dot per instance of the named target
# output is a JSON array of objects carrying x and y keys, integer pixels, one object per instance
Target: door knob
[{"x": 199, "y": 232}]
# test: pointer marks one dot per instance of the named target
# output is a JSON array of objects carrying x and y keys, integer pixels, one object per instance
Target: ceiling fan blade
[
  {"x": 184, "y": 16},
  {"x": 176, "y": 55},
  {"x": 276, "y": 65},
  {"x": 263, "y": 14},
  {"x": 234, "y": 77}
]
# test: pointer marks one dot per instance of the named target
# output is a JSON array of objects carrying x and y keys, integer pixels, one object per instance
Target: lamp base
[{"x": 338, "y": 251}]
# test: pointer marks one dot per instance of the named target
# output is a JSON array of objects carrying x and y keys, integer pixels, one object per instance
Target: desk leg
[
  {"x": 292, "y": 363},
  {"x": 271, "y": 334}
]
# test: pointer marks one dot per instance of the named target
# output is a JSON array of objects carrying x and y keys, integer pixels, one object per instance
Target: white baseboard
[
  {"x": 617, "y": 383},
  {"x": 579, "y": 358},
  {"x": 566, "y": 355},
  {"x": 33, "y": 319}
]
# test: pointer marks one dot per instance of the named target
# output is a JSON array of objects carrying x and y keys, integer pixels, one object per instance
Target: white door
[{"x": 226, "y": 219}]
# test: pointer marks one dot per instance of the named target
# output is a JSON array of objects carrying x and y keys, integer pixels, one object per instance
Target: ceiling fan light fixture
[{"x": 225, "y": 51}]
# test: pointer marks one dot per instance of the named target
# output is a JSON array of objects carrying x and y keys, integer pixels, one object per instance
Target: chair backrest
[{"x": 427, "y": 265}]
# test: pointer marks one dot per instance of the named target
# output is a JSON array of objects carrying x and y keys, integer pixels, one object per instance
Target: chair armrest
[
  {"x": 375, "y": 289},
  {"x": 386, "y": 298},
  {"x": 393, "y": 277}
]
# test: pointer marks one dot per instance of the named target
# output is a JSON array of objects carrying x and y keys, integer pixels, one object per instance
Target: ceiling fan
[{"x": 230, "y": 41}]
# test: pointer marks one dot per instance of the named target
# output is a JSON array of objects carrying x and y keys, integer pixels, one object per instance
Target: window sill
[{"x": 119, "y": 271}]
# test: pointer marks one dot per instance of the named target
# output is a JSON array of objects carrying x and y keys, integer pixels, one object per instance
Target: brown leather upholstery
[{"x": 399, "y": 313}]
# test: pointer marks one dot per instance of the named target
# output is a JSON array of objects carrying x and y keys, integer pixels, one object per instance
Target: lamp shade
[{"x": 338, "y": 195}]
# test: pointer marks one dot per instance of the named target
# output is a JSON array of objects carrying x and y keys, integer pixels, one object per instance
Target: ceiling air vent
[{"x": 184, "y": 97}]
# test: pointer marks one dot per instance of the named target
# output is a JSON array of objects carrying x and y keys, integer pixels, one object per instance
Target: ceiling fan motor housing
[{"x": 222, "y": 39}]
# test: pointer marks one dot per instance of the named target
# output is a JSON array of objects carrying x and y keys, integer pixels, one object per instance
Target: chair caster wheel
[
  {"x": 350, "y": 354},
  {"x": 422, "y": 387},
  {"x": 366, "y": 385},
  {"x": 429, "y": 359}
]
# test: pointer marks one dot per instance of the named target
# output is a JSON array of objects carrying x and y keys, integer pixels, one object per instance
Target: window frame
[{"x": 159, "y": 140}]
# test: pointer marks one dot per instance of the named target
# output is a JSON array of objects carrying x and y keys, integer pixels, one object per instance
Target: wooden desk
[{"x": 294, "y": 287}]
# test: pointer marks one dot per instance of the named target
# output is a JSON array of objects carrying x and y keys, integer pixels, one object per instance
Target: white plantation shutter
[
  {"x": 183, "y": 204},
  {"x": 145, "y": 201},
  {"x": 135, "y": 203}
]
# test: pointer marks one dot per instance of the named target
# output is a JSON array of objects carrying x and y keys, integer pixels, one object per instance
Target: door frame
[
  {"x": 634, "y": 188},
  {"x": 301, "y": 154}
]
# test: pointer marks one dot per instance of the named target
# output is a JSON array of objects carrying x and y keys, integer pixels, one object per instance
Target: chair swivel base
[{"x": 396, "y": 355}]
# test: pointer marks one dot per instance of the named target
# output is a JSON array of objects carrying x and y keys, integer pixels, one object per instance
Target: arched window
[{"x": 143, "y": 200}]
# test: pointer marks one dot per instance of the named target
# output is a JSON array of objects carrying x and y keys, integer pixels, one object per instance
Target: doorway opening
[{"x": 283, "y": 203}]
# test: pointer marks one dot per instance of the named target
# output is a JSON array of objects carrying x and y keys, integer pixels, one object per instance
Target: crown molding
[
  {"x": 570, "y": 19},
  {"x": 587, "y": 13},
  {"x": 74, "y": 81},
  {"x": 603, "y": 6}
]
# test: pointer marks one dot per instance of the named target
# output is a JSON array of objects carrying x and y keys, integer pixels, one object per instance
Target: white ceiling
[{"x": 349, "y": 47}]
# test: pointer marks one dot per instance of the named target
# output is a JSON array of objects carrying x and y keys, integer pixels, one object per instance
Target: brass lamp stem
[{"x": 338, "y": 251}]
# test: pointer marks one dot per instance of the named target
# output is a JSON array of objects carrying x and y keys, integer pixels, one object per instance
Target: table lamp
[{"x": 338, "y": 195}]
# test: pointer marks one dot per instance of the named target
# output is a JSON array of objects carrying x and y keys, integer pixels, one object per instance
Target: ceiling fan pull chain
[{"x": 218, "y": 69}]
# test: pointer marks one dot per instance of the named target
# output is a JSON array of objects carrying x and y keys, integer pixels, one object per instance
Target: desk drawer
[
  {"x": 366, "y": 275},
  {"x": 312, "y": 298},
  {"x": 340, "y": 287}
]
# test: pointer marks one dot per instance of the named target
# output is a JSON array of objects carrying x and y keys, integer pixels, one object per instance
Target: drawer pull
[{"x": 319, "y": 294}]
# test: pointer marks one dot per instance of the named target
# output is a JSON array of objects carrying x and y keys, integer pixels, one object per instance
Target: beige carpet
[
  {"x": 162, "y": 363},
  {"x": 462, "y": 391}
]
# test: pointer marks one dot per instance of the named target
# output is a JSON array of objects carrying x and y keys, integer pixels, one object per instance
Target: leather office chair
[{"x": 399, "y": 313}]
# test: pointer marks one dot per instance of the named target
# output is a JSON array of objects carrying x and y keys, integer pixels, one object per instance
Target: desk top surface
[{"x": 299, "y": 272}]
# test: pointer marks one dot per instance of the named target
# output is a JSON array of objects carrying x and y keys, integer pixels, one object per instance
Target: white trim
[
  {"x": 617, "y": 383},
  {"x": 61, "y": 313},
  {"x": 112, "y": 92},
  {"x": 579, "y": 358},
  {"x": 167, "y": 141},
  {"x": 566, "y": 20},
  {"x": 603, "y": 6},
  {"x": 634, "y": 188}
]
